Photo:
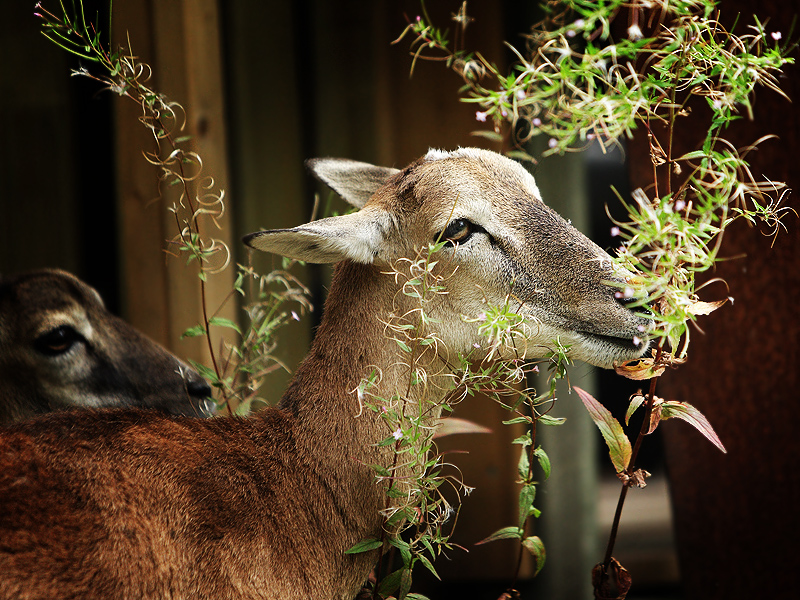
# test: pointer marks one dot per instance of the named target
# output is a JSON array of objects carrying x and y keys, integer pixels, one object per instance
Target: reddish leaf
[
  {"x": 688, "y": 413},
  {"x": 535, "y": 546},
  {"x": 619, "y": 446}
]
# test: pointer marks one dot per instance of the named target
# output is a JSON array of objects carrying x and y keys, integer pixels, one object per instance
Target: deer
[
  {"x": 135, "y": 504},
  {"x": 60, "y": 348}
]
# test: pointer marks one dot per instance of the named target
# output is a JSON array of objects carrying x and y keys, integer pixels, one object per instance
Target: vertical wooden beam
[{"x": 180, "y": 40}]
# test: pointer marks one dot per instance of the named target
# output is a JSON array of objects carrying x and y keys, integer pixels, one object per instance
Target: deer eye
[
  {"x": 57, "y": 341},
  {"x": 458, "y": 231}
]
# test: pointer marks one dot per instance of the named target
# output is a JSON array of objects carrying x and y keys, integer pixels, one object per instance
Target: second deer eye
[
  {"x": 57, "y": 341},
  {"x": 458, "y": 232}
]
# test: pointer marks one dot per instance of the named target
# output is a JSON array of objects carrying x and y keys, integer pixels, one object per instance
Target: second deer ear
[
  {"x": 358, "y": 237},
  {"x": 352, "y": 180}
]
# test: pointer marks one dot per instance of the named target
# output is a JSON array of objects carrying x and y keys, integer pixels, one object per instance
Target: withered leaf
[
  {"x": 704, "y": 308},
  {"x": 639, "y": 369},
  {"x": 454, "y": 425}
]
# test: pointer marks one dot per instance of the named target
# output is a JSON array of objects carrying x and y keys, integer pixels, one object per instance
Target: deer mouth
[{"x": 634, "y": 346}]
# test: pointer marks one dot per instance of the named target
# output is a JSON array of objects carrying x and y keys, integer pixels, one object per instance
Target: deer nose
[{"x": 198, "y": 388}]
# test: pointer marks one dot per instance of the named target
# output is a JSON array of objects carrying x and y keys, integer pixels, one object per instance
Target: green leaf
[
  {"x": 365, "y": 545},
  {"x": 619, "y": 446},
  {"x": 205, "y": 372},
  {"x": 523, "y": 466},
  {"x": 526, "y": 497},
  {"x": 390, "y": 583},
  {"x": 548, "y": 420},
  {"x": 535, "y": 546},
  {"x": 405, "y": 584},
  {"x": 404, "y": 548},
  {"x": 687, "y": 412},
  {"x": 544, "y": 460},
  {"x": 506, "y": 533},
  {"x": 636, "y": 402},
  {"x": 428, "y": 565},
  {"x": 222, "y": 322},
  {"x": 195, "y": 331}
]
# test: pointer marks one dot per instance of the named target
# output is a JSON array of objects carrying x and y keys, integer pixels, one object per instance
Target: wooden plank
[{"x": 164, "y": 296}]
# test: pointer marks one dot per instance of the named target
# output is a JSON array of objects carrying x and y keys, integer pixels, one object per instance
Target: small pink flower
[
  {"x": 536, "y": 122},
  {"x": 481, "y": 116},
  {"x": 636, "y": 340},
  {"x": 553, "y": 142},
  {"x": 397, "y": 434},
  {"x": 520, "y": 94},
  {"x": 614, "y": 231},
  {"x": 776, "y": 35},
  {"x": 294, "y": 316}
]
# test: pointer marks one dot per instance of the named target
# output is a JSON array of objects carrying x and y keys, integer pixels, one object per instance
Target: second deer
[
  {"x": 60, "y": 348},
  {"x": 133, "y": 504}
]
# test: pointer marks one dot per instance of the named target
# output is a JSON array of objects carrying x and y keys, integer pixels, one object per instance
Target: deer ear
[
  {"x": 352, "y": 180},
  {"x": 358, "y": 237}
]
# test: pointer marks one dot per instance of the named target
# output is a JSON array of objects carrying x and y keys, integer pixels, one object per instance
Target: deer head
[
  {"x": 60, "y": 348},
  {"x": 503, "y": 241}
]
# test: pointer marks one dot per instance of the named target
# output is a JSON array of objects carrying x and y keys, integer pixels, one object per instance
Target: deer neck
[{"x": 352, "y": 344}]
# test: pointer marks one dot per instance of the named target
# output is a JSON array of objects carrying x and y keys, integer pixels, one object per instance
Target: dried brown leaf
[
  {"x": 454, "y": 425},
  {"x": 705, "y": 308},
  {"x": 642, "y": 368}
]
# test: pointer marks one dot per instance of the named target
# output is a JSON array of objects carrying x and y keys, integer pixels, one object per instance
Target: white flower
[
  {"x": 634, "y": 32},
  {"x": 536, "y": 122},
  {"x": 398, "y": 433},
  {"x": 776, "y": 35},
  {"x": 553, "y": 142},
  {"x": 614, "y": 231},
  {"x": 481, "y": 116},
  {"x": 520, "y": 94}
]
